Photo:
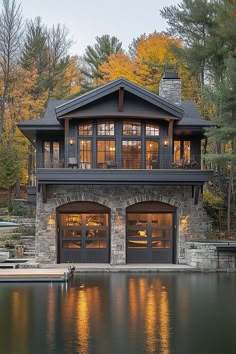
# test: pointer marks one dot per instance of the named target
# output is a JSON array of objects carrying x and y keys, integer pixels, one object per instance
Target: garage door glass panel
[
  {"x": 137, "y": 243},
  {"x": 96, "y": 219},
  {"x": 137, "y": 219},
  {"x": 67, "y": 233},
  {"x": 71, "y": 244},
  {"x": 160, "y": 244},
  {"x": 161, "y": 219},
  {"x": 72, "y": 220},
  {"x": 96, "y": 244},
  {"x": 161, "y": 233}
]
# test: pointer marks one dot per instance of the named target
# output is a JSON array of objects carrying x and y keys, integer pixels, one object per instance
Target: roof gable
[{"x": 114, "y": 86}]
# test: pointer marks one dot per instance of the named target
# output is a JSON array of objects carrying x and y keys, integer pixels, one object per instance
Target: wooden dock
[{"x": 36, "y": 275}]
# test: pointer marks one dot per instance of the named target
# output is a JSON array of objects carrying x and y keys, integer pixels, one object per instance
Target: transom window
[
  {"x": 131, "y": 128},
  {"x": 105, "y": 128},
  {"x": 152, "y": 130},
  {"x": 86, "y": 129}
]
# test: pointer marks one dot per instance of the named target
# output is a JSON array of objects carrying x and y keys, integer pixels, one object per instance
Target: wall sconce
[
  {"x": 118, "y": 222},
  {"x": 71, "y": 141},
  {"x": 166, "y": 142},
  {"x": 51, "y": 220}
]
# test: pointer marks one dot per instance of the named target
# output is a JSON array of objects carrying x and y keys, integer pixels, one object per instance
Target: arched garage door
[
  {"x": 83, "y": 233},
  {"x": 150, "y": 233}
]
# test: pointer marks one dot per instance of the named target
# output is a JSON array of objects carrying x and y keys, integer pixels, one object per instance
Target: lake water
[{"x": 121, "y": 313}]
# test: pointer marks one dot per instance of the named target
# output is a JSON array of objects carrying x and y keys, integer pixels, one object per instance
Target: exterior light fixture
[
  {"x": 71, "y": 141},
  {"x": 166, "y": 142},
  {"x": 51, "y": 220}
]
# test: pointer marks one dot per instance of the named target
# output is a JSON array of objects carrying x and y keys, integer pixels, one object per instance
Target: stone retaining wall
[
  {"x": 192, "y": 221},
  {"x": 204, "y": 255}
]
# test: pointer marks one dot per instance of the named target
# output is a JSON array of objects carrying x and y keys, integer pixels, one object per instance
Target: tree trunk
[{"x": 229, "y": 202}]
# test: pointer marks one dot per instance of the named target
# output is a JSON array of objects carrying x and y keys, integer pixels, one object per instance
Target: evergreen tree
[{"x": 98, "y": 54}]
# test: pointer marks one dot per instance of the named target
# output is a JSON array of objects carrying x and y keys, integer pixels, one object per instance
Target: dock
[{"x": 36, "y": 275}]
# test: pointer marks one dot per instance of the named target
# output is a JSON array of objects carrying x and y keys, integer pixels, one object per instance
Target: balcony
[
  {"x": 129, "y": 162},
  {"x": 125, "y": 171}
]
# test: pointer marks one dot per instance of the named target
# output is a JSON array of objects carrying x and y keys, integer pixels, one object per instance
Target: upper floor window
[
  {"x": 106, "y": 128},
  {"x": 152, "y": 130},
  {"x": 131, "y": 128},
  {"x": 51, "y": 155},
  {"x": 182, "y": 152},
  {"x": 86, "y": 129}
]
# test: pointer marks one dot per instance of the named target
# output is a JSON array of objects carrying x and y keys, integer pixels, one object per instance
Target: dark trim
[{"x": 119, "y": 176}]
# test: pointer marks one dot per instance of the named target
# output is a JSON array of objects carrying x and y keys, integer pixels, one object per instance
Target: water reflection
[{"x": 119, "y": 314}]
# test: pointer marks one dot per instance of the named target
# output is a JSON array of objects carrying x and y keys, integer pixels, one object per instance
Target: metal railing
[{"x": 127, "y": 162}]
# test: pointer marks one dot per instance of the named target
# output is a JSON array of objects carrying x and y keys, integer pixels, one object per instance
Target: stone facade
[
  {"x": 204, "y": 255},
  {"x": 191, "y": 220}
]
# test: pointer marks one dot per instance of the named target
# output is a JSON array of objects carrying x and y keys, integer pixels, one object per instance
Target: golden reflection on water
[
  {"x": 148, "y": 302},
  {"x": 82, "y": 321},
  {"x": 20, "y": 307},
  {"x": 51, "y": 316}
]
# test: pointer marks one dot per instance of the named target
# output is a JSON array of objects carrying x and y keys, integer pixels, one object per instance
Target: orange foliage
[
  {"x": 118, "y": 65},
  {"x": 152, "y": 55}
]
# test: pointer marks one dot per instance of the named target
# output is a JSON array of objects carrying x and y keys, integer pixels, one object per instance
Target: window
[
  {"x": 86, "y": 129},
  {"x": 85, "y": 153},
  {"x": 105, "y": 128},
  {"x": 131, "y": 154},
  {"x": 151, "y": 154},
  {"x": 131, "y": 128},
  {"x": 182, "y": 153},
  {"x": 177, "y": 154},
  {"x": 51, "y": 154},
  {"x": 106, "y": 154},
  {"x": 187, "y": 151},
  {"x": 152, "y": 130}
]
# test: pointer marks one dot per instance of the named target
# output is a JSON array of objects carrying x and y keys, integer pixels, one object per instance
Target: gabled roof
[{"x": 114, "y": 86}]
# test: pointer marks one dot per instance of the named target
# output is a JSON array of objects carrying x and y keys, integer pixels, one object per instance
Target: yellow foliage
[
  {"x": 152, "y": 54},
  {"x": 118, "y": 65}
]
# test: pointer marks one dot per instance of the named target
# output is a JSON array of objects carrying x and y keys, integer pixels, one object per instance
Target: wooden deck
[{"x": 36, "y": 275}]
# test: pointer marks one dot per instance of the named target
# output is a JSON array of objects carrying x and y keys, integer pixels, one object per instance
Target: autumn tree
[
  {"x": 10, "y": 42},
  {"x": 151, "y": 55}
]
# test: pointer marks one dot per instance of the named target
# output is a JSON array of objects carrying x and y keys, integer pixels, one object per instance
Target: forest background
[{"x": 200, "y": 42}]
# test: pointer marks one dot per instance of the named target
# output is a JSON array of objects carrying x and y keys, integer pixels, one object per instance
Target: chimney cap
[{"x": 170, "y": 75}]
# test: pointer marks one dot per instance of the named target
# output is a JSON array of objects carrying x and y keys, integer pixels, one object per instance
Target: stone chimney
[{"x": 170, "y": 88}]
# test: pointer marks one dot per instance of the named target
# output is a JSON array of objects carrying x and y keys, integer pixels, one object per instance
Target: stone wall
[
  {"x": 204, "y": 255},
  {"x": 192, "y": 221}
]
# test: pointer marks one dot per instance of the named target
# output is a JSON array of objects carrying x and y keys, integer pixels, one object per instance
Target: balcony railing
[{"x": 126, "y": 163}]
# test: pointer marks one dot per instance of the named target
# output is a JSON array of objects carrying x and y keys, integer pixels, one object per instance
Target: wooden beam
[
  {"x": 121, "y": 99},
  {"x": 44, "y": 193},
  {"x": 196, "y": 192},
  {"x": 66, "y": 147},
  {"x": 170, "y": 129}
]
